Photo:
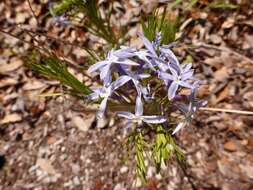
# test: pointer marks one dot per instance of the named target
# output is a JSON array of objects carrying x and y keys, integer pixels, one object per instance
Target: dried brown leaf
[{"x": 11, "y": 118}]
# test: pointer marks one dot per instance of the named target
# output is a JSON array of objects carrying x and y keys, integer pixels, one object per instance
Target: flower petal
[
  {"x": 102, "y": 107},
  {"x": 147, "y": 44},
  {"x": 187, "y": 75},
  {"x": 125, "y": 52},
  {"x": 138, "y": 106},
  {"x": 127, "y": 115},
  {"x": 120, "y": 82},
  {"x": 97, "y": 66},
  {"x": 166, "y": 76},
  {"x": 105, "y": 74},
  {"x": 127, "y": 62},
  {"x": 186, "y": 67},
  {"x": 172, "y": 90},
  {"x": 154, "y": 119},
  {"x": 173, "y": 71},
  {"x": 170, "y": 55},
  {"x": 179, "y": 126}
]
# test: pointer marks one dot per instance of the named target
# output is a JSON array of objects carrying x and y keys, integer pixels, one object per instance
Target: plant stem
[{"x": 227, "y": 111}]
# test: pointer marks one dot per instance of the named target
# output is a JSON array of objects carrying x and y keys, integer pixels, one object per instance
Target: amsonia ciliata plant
[{"x": 151, "y": 80}]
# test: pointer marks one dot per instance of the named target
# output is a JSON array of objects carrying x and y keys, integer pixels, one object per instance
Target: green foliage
[
  {"x": 215, "y": 4},
  {"x": 166, "y": 26},
  {"x": 141, "y": 168},
  {"x": 163, "y": 149},
  {"x": 65, "y": 5},
  {"x": 53, "y": 68},
  {"x": 95, "y": 24},
  {"x": 220, "y": 4}
]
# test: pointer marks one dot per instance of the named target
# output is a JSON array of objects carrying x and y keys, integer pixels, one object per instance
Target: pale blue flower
[
  {"x": 138, "y": 118},
  {"x": 105, "y": 92},
  {"x": 179, "y": 76},
  {"x": 189, "y": 110},
  {"x": 135, "y": 77},
  {"x": 157, "y": 42},
  {"x": 146, "y": 56},
  {"x": 149, "y": 46},
  {"x": 114, "y": 57}
]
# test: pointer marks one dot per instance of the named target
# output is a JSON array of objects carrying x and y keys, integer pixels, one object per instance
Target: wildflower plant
[
  {"x": 154, "y": 80},
  {"x": 143, "y": 86}
]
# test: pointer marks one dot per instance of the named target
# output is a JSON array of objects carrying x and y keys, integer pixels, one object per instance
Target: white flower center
[
  {"x": 113, "y": 58},
  {"x": 138, "y": 120},
  {"x": 106, "y": 93}
]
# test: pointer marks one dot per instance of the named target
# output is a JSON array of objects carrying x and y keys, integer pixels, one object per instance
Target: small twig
[
  {"x": 188, "y": 177},
  {"x": 22, "y": 40},
  {"x": 34, "y": 15},
  {"x": 227, "y": 111},
  {"x": 201, "y": 44}
]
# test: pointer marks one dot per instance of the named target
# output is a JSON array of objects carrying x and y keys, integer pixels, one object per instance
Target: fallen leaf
[
  {"x": 248, "y": 97},
  {"x": 247, "y": 169},
  {"x": 215, "y": 39},
  {"x": 214, "y": 62},
  {"x": 231, "y": 146},
  {"x": 5, "y": 68},
  {"x": 83, "y": 124},
  {"x": 11, "y": 118},
  {"x": 248, "y": 42},
  {"x": 228, "y": 23},
  {"x": 46, "y": 166},
  {"x": 223, "y": 166},
  {"x": 221, "y": 74},
  {"x": 8, "y": 82},
  {"x": 33, "y": 85},
  {"x": 222, "y": 95}
]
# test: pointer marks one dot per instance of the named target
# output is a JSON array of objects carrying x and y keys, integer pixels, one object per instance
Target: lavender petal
[
  {"x": 154, "y": 119},
  {"x": 102, "y": 107},
  {"x": 138, "y": 106},
  {"x": 147, "y": 44},
  {"x": 120, "y": 82},
  {"x": 126, "y": 115},
  {"x": 97, "y": 66},
  {"x": 172, "y": 90},
  {"x": 179, "y": 126}
]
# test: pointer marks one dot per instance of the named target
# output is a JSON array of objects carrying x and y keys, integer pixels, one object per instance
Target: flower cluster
[{"x": 151, "y": 76}]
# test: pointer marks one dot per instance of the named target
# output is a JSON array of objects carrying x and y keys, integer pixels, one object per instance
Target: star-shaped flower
[
  {"x": 189, "y": 110},
  {"x": 179, "y": 76},
  {"x": 135, "y": 78},
  {"x": 105, "y": 92},
  {"x": 138, "y": 118},
  {"x": 114, "y": 57}
]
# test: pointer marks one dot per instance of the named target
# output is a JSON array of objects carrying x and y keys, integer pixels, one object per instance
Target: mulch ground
[{"x": 57, "y": 143}]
